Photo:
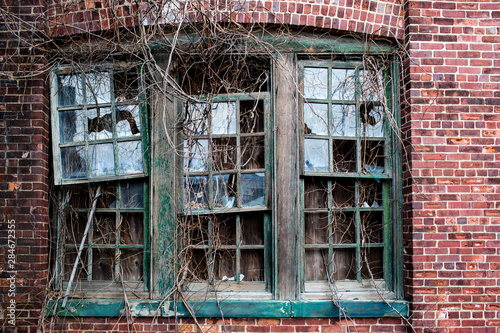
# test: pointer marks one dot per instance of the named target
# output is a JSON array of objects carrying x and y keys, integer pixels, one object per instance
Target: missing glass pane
[
  {"x": 198, "y": 268},
  {"x": 224, "y": 265},
  {"x": 76, "y": 222},
  {"x": 343, "y": 193},
  {"x": 132, "y": 195},
  {"x": 224, "y": 230},
  {"x": 344, "y": 155},
  {"x": 126, "y": 85},
  {"x": 197, "y": 230},
  {"x": 196, "y": 192},
  {"x": 372, "y": 227},
  {"x": 344, "y": 264},
  {"x": 373, "y": 263},
  {"x": 316, "y": 228},
  {"x": 315, "y": 193},
  {"x": 370, "y": 194},
  {"x": 252, "y": 153},
  {"x": 69, "y": 261},
  {"x": 343, "y": 228},
  {"x": 252, "y": 116},
  {"x": 373, "y": 156},
  {"x": 224, "y": 153}
]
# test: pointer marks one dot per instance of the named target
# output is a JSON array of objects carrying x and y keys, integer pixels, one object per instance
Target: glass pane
[
  {"x": 252, "y": 116},
  {"x": 253, "y": 190},
  {"x": 373, "y": 157},
  {"x": 74, "y": 162},
  {"x": 69, "y": 262},
  {"x": 372, "y": 119},
  {"x": 316, "y": 119},
  {"x": 224, "y": 153},
  {"x": 102, "y": 161},
  {"x": 98, "y": 87},
  {"x": 130, "y": 157},
  {"x": 370, "y": 194},
  {"x": 316, "y": 228},
  {"x": 104, "y": 228},
  {"x": 343, "y": 84},
  {"x": 103, "y": 264},
  {"x": 252, "y": 265},
  {"x": 252, "y": 153},
  {"x": 343, "y": 228},
  {"x": 343, "y": 193},
  {"x": 70, "y": 90},
  {"x": 252, "y": 229},
  {"x": 315, "y": 193},
  {"x": 344, "y": 264},
  {"x": 344, "y": 156},
  {"x": 132, "y": 228},
  {"x": 71, "y": 126},
  {"x": 224, "y": 118},
  {"x": 224, "y": 266},
  {"x": 128, "y": 121},
  {"x": 224, "y": 191},
  {"x": 316, "y": 155},
  {"x": 316, "y": 83},
  {"x": 195, "y": 155},
  {"x": 373, "y": 263},
  {"x": 196, "y": 192},
  {"x": 126, "y": 85},
  {"x": 196, "y": 119},
  {"x": 343, "y": 120},
  {"x": 315, "y": 264},
  {"x": 372, "y": 85},
  {"x": 131, "y": 264},
  {"x": 132, "y": 195},
  {"x": 100, "y": 123},
  {"x": 372, "y": 227}
]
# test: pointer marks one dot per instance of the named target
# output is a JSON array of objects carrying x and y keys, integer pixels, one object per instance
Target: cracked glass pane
[
  {"x": 128, "y": 121},
  {"x": 74, "y": 162},
  {"x": 224, "y": 118},
  {"x": 316, "y": 155},
  {"x": 98, "y": 87},
  {"x": 316, "y": 118},
  {"x": 343, "y": 84},
  {"x": 315, "y": 83},
  {"x": 343, "y": 120},
  {"x": 196, "y": 119},
  {"x": 102, "y": 162},
  {"x": 71, "y": 126},
  {"x": 69, "y": 90},
  {"x": 130, "y": 157},
  {"x": 100, "y": 124}
]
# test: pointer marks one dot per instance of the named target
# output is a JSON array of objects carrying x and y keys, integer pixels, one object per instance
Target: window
[
  {"x": 99, "y": 139},
  {"x": 347, "y": 179},
  {"x": 275, "y": 185}
]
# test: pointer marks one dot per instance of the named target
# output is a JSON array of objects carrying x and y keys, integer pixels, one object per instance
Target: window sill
[{"x": 231, "y": 308}]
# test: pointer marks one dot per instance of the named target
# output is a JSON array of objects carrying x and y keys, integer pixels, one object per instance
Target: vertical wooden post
[{"x": 286, "y": 179}]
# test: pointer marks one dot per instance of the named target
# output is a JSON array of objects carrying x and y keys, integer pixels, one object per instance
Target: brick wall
[
  {"x": 24, "y": 169},
  {"x": 378, "y": 17},
  {"x": 229, "y": 325},
  {"x": 452, "y": 188}
]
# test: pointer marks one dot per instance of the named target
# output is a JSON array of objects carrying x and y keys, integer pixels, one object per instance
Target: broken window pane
[
  {"x": 372, "y": 119},
  {"x": 253, "y": 191},
  {"x": 252, "y": 265},
  {"x": 103, "y": 264},
  {"x": 224, "y": 191},
  {"x": 344, "y": 155},
  {"x": 102, "y": 161},
  {"x": 343, "y": 84},
  {"x": 71, "y": 126},
  {"x": 69, "y": 90},
  {"x": 100, "y": 124},
  {"x": 372, "y": 85},
  {"x": 128, "y": 121},
  {"x": 131, "y": 264},
  {"x": 196, "y": 192},
  {"x": 74, "y": 162},
  {"x": 126, "y": 85},
  {"x": 316, "y": 264},
  {"x": 98, "y": 87},
  {"x": 107, "y": 199},
  {"x": 343, "y": 120},
  {"x": 252, "y": 116},
  {"x": 315, "y": 83},
  {"x": 224, "y": 118},
  {"x": 373, "y": 157},
  {"x": 316, "y": 155},
  {"x": 132, "y": 195},
  {"x": 370, "y": 194},
  {"x": 373, "y": 263},
  {"x": 316, "y": 228},
  {"x": 316, "y": 118},
  {"x": 252, "y": 153},
  {"x": 195, "y": 155},
  {"x": 343, "y": 228},
  {"x": 224, "y": 153},
  {"x": 132, "y": 228},
  {"x": 130, "y": 157}
]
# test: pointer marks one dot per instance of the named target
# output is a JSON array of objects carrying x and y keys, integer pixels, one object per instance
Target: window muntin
[
  {"x": 226, "y": 196},
  {"x": 99, "y": 128},
  {"x": 347, "y": 176}
]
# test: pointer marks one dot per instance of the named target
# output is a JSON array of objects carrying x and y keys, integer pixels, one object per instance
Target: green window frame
[{"x": 349, "y": 195}]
